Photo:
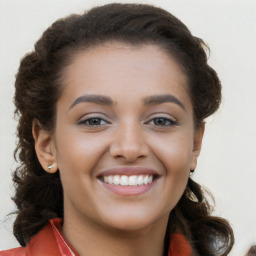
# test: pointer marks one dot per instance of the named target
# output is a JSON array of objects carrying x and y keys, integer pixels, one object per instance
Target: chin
[{"x": 134, "y": 221}]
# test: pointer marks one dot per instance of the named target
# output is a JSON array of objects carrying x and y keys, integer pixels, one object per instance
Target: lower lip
[{"x": 129, "y": 190}]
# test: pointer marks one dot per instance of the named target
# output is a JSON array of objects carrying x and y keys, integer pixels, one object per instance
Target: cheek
[
  {"x": 77, "y": 156},
  {"x": 175, "y": 152},
  {"x": 175, "y": 155},
  {"x": 78, "y": 153}
]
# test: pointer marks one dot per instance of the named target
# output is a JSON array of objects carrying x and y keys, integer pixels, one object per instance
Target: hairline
[{"x": 72, "y": 51}]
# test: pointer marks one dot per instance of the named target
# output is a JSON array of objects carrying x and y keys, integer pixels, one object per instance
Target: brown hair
[{"x": 38, "y": 86}]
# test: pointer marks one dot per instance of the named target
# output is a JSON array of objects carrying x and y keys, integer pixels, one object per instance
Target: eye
[
  {"x": 162, "y": 121},
  {"x": 94, "y": 121}
]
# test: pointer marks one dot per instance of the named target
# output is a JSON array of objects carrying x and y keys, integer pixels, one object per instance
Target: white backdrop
[{"x": 227, "y": 165}]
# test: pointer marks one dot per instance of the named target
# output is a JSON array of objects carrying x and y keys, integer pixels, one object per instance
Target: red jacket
[{"x": 50, "y": 242}]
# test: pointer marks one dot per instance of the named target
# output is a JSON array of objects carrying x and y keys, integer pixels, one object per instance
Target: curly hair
[{"x": 39, "y": 195}]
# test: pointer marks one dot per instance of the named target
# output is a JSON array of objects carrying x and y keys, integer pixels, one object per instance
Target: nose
[{"x": 129, "y": 143}]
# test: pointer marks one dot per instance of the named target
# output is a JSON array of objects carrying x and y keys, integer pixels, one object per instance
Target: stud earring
[{"x": 51, "y": 168}]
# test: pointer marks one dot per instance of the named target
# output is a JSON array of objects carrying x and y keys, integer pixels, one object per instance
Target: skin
[{"x": 128, "y": 133}]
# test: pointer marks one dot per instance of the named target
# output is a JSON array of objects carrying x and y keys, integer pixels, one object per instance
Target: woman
[{"x": 111, "y": 108}]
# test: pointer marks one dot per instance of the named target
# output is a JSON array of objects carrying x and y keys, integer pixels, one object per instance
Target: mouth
[
  {"x": 125, "y": 180},
  {"x": 128, "y": 181}
]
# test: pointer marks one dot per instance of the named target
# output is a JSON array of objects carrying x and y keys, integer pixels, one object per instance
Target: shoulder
[
  {"x": 20, "y": 251},
  {"x": 49, "y": 241},
  {"x": 179, "y": 245},
  {"x": 43, "y": 243}
]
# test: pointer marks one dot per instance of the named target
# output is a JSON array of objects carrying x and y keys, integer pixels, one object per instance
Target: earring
[{"x": 52, "y": 168}]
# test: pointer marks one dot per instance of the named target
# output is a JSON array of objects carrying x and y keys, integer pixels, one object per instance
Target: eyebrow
[
  {"x": 98, "y": 99},
  {"x": 163, "y": 98},
  {"x": 107, "y": 101}
]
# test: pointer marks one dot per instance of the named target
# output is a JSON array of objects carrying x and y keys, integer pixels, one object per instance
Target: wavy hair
[{"x": 39, "y": 195}]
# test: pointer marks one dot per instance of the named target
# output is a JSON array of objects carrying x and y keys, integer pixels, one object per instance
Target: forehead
[{"x": 116, "y": 69}]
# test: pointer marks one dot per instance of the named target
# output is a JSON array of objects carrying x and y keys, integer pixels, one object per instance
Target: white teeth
[
  {"x": 140, "y": 180},
  {"x": 145, "y": 181},
  {"x": 133, "y": 180},
  {"x": 106, "y": 179},
  {"x": 110, "y": 179},
  {"x": 124, "y": 180},
  {"x": 116, "y": 179}
]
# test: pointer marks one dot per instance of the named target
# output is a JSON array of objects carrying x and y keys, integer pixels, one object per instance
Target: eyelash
[
  {"x": 167, "y": 122},
  {"x": 87, "y": 121},
  {"x": 170, "y": 122}
]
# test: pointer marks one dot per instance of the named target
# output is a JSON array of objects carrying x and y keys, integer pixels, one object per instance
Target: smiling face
[{"x": 124, "y": 140}]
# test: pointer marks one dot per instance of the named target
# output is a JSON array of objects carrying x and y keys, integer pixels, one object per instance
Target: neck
[{"x": 90, "y": 239}]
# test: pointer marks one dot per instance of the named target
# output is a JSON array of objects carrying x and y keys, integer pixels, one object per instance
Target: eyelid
[
  {"x": 89, "y": 119},
  {"x": 172, "y": 122},
  {"x": 161, "y": 115},
  {"x": 93, "y": 116}
]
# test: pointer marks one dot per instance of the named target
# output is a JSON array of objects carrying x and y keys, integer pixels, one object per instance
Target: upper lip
[{"x": 127, "y": 171}]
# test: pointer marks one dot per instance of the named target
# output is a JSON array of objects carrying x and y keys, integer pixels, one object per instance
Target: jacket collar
[{"x": 49, "y": 241}]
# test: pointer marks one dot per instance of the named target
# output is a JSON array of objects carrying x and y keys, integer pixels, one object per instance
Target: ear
[
  {"x": 44, "y": 146},
  {"x": 198, "y": 138}
]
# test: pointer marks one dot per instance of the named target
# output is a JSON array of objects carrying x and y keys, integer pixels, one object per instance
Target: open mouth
[
  {"x": 131, "y": 180},
  {"x": 128, "y": 181}
]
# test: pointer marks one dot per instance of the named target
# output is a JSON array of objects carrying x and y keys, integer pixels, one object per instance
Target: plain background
[{"x": 227, "y": 164}]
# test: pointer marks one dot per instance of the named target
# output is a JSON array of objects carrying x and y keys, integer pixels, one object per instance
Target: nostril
[
  {"x": 128, "y": 144},
  {"x": 130, "y": 155}
]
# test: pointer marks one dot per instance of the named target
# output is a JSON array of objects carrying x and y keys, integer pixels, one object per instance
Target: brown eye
[
  {"x": 160, "y": 121},
  {"x": 93, "y": 121}
]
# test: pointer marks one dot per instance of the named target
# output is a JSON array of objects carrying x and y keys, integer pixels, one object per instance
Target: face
[{"x": 124, "y": 141}]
